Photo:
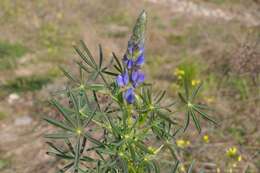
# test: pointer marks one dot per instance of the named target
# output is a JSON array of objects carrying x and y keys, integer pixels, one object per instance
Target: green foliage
[
  {"x": 28, "y": 83},
  {"x": 3, "y": 164},
  {"x": 175, "y": 39},
  {"x": 188, "y": 71},
  {"x": 9, "y": 53},
  {"x": 240, "y": 86},
  {"x": 102, "y": 132},
  {"x": 121, "y": 18},
  {"x": 2, "y": 115}
]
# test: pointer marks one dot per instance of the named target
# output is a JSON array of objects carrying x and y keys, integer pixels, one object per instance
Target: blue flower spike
[{"x": 133, "y": 60}]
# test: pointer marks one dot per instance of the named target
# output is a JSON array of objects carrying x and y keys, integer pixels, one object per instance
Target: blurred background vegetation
[{"x": 214, "y": 41}]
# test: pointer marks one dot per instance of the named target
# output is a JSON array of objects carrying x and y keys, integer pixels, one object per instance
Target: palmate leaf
[
  {"x": 195, "y": 120},
  {"x": 191, "y": 166},
  {"x": 182, "y": 98},
  {"x": 165, "y": 117},
  {"x": 204, "y": 115},
  {"x": 58, "y": 124},
  {"x": 69, "y": 75},
  {"x": 75, "y": 102},
  {"x": 160, "y": 97},
  {"x": 84, "y": 58},
  {"x": 60, "y": 155},
  {"x": 187, "y": 120},
  {"x": 196, "y": 90},
  {"x": 59, "y": 150},
  {"x": 66, "y": 113},
  {"x": 175, "y": 168},
  {"x": 119, "y": 65},
  {"x": 155, "y": 166},
  {"x": 66, "y": 168},
  {"x": 59, "y": 135},
  {"x": 100, "y": 56},
  {"x": 69, "y": 144},
  {"x": 77, "y": 155},
  {"x": 93, "y": 140},
  {"x": 88, "y": 52}
]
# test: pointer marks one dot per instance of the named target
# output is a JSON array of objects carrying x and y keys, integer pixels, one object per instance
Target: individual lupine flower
[
  {"x": 134, "y": 57},
  {"x": 122, "y": 79},
  {"x": 129, "y": 95},
  {"x": 137, "y": 78}
]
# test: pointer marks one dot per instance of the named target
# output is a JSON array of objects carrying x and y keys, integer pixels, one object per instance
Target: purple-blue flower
[
  {"x": 129, "y": 95},
  {"x": 134, "y": 57},
  {"x": 122, "y": 79},
  {"x": 137, "y": 78}
]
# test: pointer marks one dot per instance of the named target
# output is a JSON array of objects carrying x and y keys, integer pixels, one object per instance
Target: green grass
[
  {"x": 9, "y": 53},
  {"x": 23, "y": 84},
  {"x": 31, "y": 83},
  {"x": 50, "y": 38},
  {"x": 175, "y": 39},
  {"x": 3, "y": 164},
  {"x": 238, "y": 133},
  {"x": 2, "y": 116},
  {"x": 120, "y": 18}
]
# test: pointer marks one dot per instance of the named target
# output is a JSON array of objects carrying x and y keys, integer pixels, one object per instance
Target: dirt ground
[{"x": 221, "y": 38}]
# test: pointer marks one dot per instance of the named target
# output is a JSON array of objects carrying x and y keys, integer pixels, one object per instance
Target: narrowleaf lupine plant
[{"x": 113, "y": 122}]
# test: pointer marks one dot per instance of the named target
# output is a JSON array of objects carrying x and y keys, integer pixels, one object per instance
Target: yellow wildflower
[
  {"x": 195, "y": 82},
  {"x": 209, "y": 99},
  {"x": 182, "y": 143},
  {"x": 182, "y": 168},
  {"x": 239, "y": 158},
  {"x": 231, "y": 152},
  {"x": 179, "y": 77},
  {"x": 179, "y": 73},
  {"x": 206, "y": 138}
]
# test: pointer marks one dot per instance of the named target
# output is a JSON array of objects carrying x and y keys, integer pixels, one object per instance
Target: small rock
[
  {"x": 23, "y": 121},
  {"x": 13, "y": 97}
]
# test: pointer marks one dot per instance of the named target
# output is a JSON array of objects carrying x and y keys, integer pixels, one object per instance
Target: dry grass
[{"x": 49, "y": 28}]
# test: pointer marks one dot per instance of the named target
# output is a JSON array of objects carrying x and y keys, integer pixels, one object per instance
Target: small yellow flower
[
  {"x": 231, "y": 152},
  {"x": 179, "y": 73},
  {"x": 206, "y": 138},
  {"x": 182, "y": 168},
  {"x": 218, "y": 170},
  {"x": 209, "y": 100},
  {"x": 182, "y": 143},
  {"x": 239, "y": 158},
  {"x": 195, "y": 82}
]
